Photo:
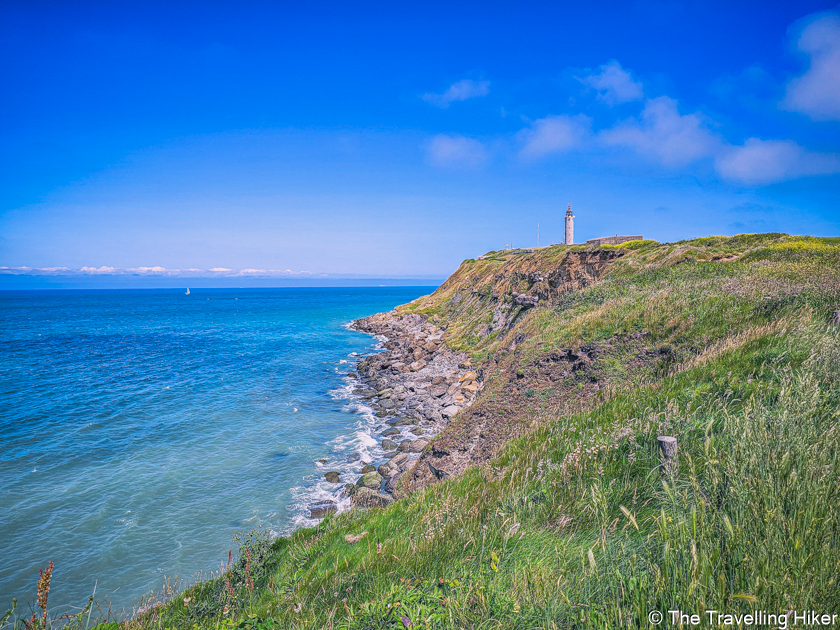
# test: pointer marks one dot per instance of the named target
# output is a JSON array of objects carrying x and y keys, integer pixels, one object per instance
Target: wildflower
[
  {"x": 44, "y": 578},
  {"x": 248, "y": 571}
]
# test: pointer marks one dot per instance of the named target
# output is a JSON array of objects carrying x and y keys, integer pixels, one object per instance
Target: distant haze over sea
[{"x": 24, "y": 281}]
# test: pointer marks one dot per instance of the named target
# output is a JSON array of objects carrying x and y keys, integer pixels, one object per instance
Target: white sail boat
[{"x": 188, "y": 291}]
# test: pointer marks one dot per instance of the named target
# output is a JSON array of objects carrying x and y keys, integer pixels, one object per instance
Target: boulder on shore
[
  {"x": 399, "y": 460},
  {"x": 417, "y": 446},
  {"x": 366, "y": 497},
  {"x": 438, "y": 391},
  {"x": 322, "y": 508},
  {"x": 450, "y": 411},
  {"x": 370, "y": 480},
  {"x": 389, "y": 445},
  {"x": 391, "y": 483}
]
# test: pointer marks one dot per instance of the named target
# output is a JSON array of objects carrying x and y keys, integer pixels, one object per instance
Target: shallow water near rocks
[{"x": 142, "y": 429}]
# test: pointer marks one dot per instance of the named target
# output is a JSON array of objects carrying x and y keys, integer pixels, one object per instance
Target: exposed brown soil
[{"x": 518, "y": 398}]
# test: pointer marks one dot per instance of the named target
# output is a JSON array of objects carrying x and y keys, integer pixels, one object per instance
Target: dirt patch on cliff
[{"x": 521, "y": 397}]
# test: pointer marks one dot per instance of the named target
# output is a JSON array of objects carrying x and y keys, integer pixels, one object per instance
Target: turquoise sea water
[{"x": 140, "y": 430}]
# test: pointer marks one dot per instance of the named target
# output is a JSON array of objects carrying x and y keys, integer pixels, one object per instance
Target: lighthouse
[{"x": 570, "y": 227}]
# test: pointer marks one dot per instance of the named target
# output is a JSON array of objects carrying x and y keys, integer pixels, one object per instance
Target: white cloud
[
  {"x": 458, "y": 91},
  {"x": 99, "y": 270},
  {"x": 766, "y": 161},
  {"x": 150, "y": 270},
  {"x": 665, "y": 135},
  {"x": 554, "y": 134},
  {"x": 817, "y": 92},
  {"x": 159, "y": 271},
  {"x": 456, "y": 151},
  {"x": 614, "y": 84}
]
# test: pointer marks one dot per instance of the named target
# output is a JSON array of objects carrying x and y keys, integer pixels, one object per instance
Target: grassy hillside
[{"x": 560, "y": 517}]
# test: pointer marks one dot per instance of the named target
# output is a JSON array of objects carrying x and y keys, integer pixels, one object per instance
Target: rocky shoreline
[{"x": 416, "y": 384}]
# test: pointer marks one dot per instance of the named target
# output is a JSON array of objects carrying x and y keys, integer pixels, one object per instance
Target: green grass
[{"x": 572, "y": 525}]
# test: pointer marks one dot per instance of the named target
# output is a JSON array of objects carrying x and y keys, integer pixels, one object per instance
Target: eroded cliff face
[
  {"x": 539, "y": 277},
  {"x": 484, "y": 299},
  {"x": 483, "y": 309}
]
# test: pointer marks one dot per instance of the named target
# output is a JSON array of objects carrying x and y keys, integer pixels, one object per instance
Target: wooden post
[{"x": 667, "y": 454}]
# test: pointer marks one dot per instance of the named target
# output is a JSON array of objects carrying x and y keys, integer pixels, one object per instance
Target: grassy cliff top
[{"x": 562, "y": 518}]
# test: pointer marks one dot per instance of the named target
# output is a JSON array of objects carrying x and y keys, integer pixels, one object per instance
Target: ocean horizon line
[{"x": 36, "y": 283}]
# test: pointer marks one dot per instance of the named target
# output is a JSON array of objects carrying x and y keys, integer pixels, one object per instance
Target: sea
[{"x": 141, "y": 430}]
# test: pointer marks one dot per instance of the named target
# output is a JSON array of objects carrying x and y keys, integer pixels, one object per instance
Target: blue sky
[{"x": 298, "y": 140}]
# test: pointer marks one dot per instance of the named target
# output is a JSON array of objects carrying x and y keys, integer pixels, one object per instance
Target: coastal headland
[{"x": 524, "y": 484}]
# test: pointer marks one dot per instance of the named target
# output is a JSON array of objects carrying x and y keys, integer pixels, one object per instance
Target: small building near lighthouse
[{"x": 614, "y": 240}]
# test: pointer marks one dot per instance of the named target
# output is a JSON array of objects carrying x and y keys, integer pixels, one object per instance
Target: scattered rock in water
[
  {"x": 416, "y": 381},
  {"x": 354, "y": 457},
  {"x": 389, "y": 445},
  {"x": 322, "y": 509},
  {"x": 368, "y": 468},
  {"x": 333, "y": 476},
  {"x": 323, "y": 460},
  {"x": 370, "y": 480}
]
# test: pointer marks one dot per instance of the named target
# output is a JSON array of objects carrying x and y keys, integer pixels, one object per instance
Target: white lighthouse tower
[{"x": 570, "y": 227}]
